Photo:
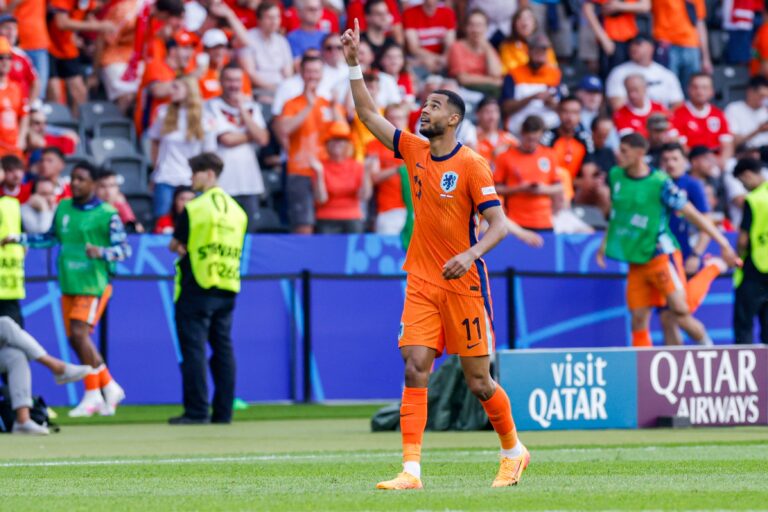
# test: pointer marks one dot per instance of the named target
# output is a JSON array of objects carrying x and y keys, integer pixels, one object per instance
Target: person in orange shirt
[
  {"x": 65, "y": 18},
  {"x": 513, "y": 51},
  {"x": 302, "y": 128},
  {"x": 384, "y": 169},
  {"x": 33, "y": 38},
  {"x": 527, "y": 177},
  {"x": 571, "y": 141},
  {"x": 156, "y": 88},
  {"x": 491, "y": 141},
  {"x": 614, "y": 23},
  {"x": 14, "y": 122},
  {"x": 341, "y": 185},
  {"x": 680, "y": 28},
  {"x": 113, "y": 53},
  {"x": 216, "y": 46},
  {"x": 448, "y": 304}
]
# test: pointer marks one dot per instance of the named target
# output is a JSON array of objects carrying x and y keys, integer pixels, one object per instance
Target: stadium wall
[{"x": 351, "y": 313}]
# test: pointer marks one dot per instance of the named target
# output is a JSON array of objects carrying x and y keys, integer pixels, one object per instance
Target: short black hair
[
  {"x": 206, "y": 162},
  {"x": 170, "y": 7},
  {"x": 757, "y": 82},
  {"x": 700, "y": 75},
  {"x": 455, "y": 100},
  {"x": 53, "y": 150},
  {"x": 38, "y": 181},
  {"x": 635, "y": 140},
  {"x": 747, "y": 164},
  {"x": 310, "y": 56},
  {"x": 533, "y": 124},
  {"x": 11, "y": 163},
  {"x": 673, "y": 146},
  {"x": 569, "y": 99},
  {"x": 106, "y": 173},
  {"x": 370, "y": 3},
  {"x": 231, "y": 66},
  {"x": 597, "y": 120},
  {"x": 93, "y": 171},
  {"x": 487, "y": 100},
  {"x": 264, "y": 7}
]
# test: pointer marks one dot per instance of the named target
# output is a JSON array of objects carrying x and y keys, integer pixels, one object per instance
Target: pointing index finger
[{"x": 357, "y": 30}]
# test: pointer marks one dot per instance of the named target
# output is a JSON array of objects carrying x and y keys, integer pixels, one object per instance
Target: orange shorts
[
  {"x": 649, "y": 284},
  {"x": 437, "y": 318},
  {"x": 85, "y": 308}
]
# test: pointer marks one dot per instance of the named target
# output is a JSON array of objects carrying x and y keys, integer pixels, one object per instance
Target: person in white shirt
[
  {"x": 239, "y": 128},
  {"x": 37, "y": 213},
  {"x": 267, "y": 60},
  {"x": 181, "y": 130},
  {"x": 748, "y": 119},
  {"x": 663, "y": 86}
]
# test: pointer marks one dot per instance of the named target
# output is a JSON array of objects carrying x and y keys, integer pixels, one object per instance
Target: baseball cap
[
  {"x": 5, "y": 46},
  {"x": 697, "y": 151},
  {"x": 591, "y": 83},
  {"x": 339, "y": 130},
  {"x": 182, "y": 38},
  {"x": 214, "y": 37},
  {"x": 657, "y": 122},
  {"x": 7, "y": 18}
]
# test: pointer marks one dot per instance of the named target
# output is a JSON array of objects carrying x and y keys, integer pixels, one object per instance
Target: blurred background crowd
[{"x": 139, "y": 86}]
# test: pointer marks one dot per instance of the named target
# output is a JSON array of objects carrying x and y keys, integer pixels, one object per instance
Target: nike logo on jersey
[
  {"x": 419, "y": 166},
  {"x": 470, "y": 347}
]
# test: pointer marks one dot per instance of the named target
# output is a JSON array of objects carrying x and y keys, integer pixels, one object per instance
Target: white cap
[{"x": 214, "y": 37}]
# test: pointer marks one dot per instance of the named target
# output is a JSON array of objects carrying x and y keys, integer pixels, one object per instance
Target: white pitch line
[{"x": 319, "y": 456}]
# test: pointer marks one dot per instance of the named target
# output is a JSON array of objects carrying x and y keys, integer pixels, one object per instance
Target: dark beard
[{"x": 432, "y": 131}]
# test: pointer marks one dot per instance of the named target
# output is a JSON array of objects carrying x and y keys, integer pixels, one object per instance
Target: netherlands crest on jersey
[
  {"x": 448, "y": 181},
  {"x": 713, "y": 123},
  {"x": 544, "y": 164}
]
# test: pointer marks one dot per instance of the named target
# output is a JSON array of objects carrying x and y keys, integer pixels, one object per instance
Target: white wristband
[{"x": 355, "y": 72}]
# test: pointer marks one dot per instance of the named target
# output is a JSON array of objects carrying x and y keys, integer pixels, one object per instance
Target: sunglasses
[{"x": 334, "y": 47}]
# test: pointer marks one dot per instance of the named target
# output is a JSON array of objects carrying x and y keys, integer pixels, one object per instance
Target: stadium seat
[
  {"x": 133, "y": 169},
  {"x": 266, "y": 220},
  {"x": 91, "y": 112},
  {"x": 591, "y": 215},
  {"x": 726, "y": 77},
  {"x": 716, "y": 45},
  {"x": 59, "y": 115},
  {"x": 273, "y": 182},
  {"x": 141, "y": 204},
  {"x": 115, "y": 127},
  {"x": 72, "y": 160},
  {"x": 102, "y": 148},
  {"x": 736, "y": 92}
]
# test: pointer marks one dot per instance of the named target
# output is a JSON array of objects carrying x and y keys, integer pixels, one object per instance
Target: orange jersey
[
  {"x": 210, "y": 84},
  {"x": 447, "y": 194},
  {"x": 13, "y": 107},
  {"x": 63, "y": 41},
  {"x": 491, "y": 145},
  {"x": 389, "y": 193},
  {"x": 619, "y": 27},
  {"x": 308, "y": 140},
  {"x": 513, "y": 168},
  {"x": 33, "y": 29},
  {"x": 570, "y": 154},
  {"x": 674, "y": 21}
]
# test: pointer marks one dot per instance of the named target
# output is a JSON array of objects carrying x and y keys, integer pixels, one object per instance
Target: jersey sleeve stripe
[
  {"x": 488, "y": 204},
  {"x": 396, "y": 144}
]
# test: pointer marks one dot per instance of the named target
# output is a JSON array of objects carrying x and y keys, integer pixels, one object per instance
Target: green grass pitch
[{"x": 325, "y": 458}]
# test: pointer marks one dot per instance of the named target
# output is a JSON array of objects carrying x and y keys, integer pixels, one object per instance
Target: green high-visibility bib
[
  {"x": 217, "y": 226},
  {"x": 11, "y": 255},
  {"x": 758, "y": 232}
]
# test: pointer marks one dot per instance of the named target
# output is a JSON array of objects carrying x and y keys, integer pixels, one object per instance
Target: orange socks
[
  {"x": 91, "y": 381},
  {"x": 104, "y": 376},
  {"x": 642, "y": 338},
  {"x": 413, "y": 421},
  {"x": 698, "y": 286},
  {"x": 499, "y": 411}
]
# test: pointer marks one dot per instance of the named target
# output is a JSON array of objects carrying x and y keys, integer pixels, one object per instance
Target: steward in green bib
[
  {"x": 751, "y": 282},
  {"x": 92, "y": 240},
  {"x": 11, "y": 260},
  {"x": 208, "y": 238},
  {"x": 642, "y": 200}
]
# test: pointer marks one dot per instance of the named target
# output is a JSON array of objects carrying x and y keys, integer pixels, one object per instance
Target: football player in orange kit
[{"x": 447, "y": 303}]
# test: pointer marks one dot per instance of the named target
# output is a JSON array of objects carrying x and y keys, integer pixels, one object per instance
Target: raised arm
[{"x": 364, "y": 104}]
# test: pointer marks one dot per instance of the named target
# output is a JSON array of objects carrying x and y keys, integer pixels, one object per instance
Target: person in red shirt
[
  {"x": 65, "y": 19},
  {"x": 430, "y": 30},
  {"x": 360, "y": 9},
  {"x": 633, "y": 116},
  {"x": 700, "y": 123},
  {"x": 22, "y": 70},
  {"x": 384, "y": 169},
  {"x": 13, "y": 184},
  {"x": 527, "y": 177},
  {"x": 245, "y": 10},
  {"x": 41, "y": 135},
  {"x": 14, "y": 121},
  {"x": 341, "y": 185},
  {"x": 181, "y": 196},
  {"x": 491, "y": 141},
  {"x": 155, "y": 88},
  {"x": 50, "y": 167},
  {"x": 328, "y": 22}
]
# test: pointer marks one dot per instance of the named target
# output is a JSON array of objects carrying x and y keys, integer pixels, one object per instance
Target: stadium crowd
[{"x": 140, "y": 86}]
